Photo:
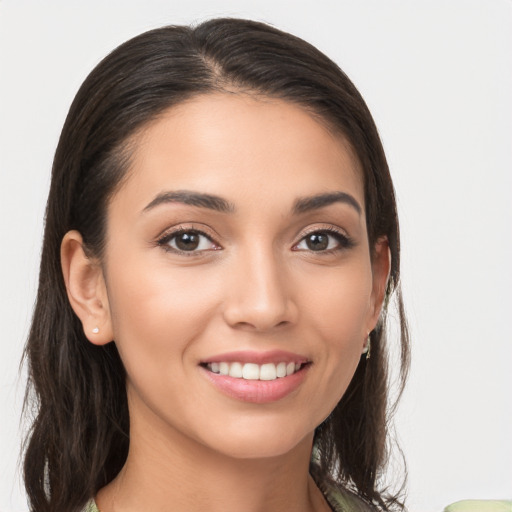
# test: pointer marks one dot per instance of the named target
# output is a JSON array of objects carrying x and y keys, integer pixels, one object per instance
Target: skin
[{"x": 255, "y": 285}]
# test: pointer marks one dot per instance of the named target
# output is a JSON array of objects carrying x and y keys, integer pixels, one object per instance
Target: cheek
[
  {"x": 337, "y": 310},
  {"x": 339, "y": 303},
  {"x": 156, "y": 311},
  {"x": 158, "y": 314}
]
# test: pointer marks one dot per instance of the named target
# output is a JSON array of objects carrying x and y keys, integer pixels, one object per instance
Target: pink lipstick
[{"x": 256, "y": 377}]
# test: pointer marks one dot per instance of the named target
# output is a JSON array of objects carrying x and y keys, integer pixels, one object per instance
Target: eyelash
[
  {"x": 344, "y": 241},
  {"x": 167, "y": 237}
]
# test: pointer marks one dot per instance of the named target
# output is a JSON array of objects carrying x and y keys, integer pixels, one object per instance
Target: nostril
[{"x": 258, "y": 297}]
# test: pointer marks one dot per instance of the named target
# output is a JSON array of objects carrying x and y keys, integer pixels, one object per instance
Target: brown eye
[
  {"x": 187, "y": 241},
  {"x": 325, "y": 241},
  {"x": 317, "y": 241}
]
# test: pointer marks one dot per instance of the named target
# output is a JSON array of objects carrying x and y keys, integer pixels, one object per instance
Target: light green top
[
  {"x": 338, "y": 502},
  {"x": 346, "y": 504},
  {"x": 480, "y": 506},
  {"x": 90, "y": 507}
]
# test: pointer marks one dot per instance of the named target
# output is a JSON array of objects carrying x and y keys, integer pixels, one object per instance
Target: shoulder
[
  {"x": 339, "y": 497},
  {"x": 90, "y": 507},
  {"x": 480, "y": 506},
  {"x": 342, "y": 500}
]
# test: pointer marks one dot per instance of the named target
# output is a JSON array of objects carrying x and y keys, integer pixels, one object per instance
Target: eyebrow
[
  {"x": 306, "y": 204},
  {"x": 219, "y": 204},
  {"x": 201, "y": 200}
]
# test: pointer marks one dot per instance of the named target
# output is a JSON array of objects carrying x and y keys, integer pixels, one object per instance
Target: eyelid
[
  {"x": 344, "y": 239},
  {"x": 325, "y": 227},
  {"x": 167, "y": 235},
  {"x": 179, "y": 228}
]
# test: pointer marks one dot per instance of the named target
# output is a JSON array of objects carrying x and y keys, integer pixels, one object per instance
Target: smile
[
  {"x": 256, "y": 377},
  {"x": 253, "y": 371}
]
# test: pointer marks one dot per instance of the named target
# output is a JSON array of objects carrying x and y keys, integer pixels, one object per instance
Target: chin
[
  {"x": 261, "y": 442},
  {"x": 259, "y": 451}
]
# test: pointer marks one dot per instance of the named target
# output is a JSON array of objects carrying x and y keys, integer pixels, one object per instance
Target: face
[{"x": 239, "y": 303}]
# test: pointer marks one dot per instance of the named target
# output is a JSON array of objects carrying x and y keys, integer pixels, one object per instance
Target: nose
[{"x": 259, "y": 295}]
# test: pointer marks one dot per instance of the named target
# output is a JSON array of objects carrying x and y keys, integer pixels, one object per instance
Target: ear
[
  {"x": 381, "y": 267},
  {"x": 87, "y": 292}
]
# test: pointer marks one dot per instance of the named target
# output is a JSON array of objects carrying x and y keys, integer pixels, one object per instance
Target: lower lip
[{"x": 256, "y": 391}]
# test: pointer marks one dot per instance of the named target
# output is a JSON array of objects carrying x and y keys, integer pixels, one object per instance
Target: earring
[
  {"x": 367, "y": 347},
  {"x": 96, "y": 330}
]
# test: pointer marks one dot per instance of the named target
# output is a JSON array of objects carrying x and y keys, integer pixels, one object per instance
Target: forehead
[{"x": 239, "y": 146}]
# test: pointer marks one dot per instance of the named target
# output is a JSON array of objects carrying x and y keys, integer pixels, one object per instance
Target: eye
[
  {"x": 327, "y": 240},
  {"x": 185, "y": 240}
]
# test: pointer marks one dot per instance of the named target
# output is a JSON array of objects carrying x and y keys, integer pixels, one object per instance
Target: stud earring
[
  {"x": 96, "y": 330},
  {"x": 367, "y": 347}
]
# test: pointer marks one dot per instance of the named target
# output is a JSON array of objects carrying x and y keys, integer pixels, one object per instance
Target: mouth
[
  {"x": 254, "y": 371},
  {"x": 256, "y": 377}
]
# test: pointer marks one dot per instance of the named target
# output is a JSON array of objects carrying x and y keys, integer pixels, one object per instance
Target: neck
[{"x": 173, "y": 472}]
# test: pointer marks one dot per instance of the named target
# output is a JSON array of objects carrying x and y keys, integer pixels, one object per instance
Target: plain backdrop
[{"x": 437, "y": 76}]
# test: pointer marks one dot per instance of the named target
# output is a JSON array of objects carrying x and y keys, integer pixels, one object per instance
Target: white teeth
[
  {"x": 268, "y": 371},
  {"x": 281, "y": 370},
  {"x": 235, "y": 370},
  {"x": 224, "y": 368},
  {"x": 253, "y": 371}
]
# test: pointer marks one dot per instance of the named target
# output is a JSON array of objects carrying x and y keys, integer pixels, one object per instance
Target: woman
[{"x": 221, "y": 244}]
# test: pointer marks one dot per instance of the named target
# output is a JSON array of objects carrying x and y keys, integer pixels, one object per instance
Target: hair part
[{"x": 79, "y": 438}]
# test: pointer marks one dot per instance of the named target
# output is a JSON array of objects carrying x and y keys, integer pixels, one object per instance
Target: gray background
[{"x": 437, "y": 76}]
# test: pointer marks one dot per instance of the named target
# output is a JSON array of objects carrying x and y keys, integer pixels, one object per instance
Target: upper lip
[{"x": 257, "y": 357}]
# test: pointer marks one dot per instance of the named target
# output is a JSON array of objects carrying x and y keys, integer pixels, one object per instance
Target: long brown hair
[{"x": 79, "y": 437}]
